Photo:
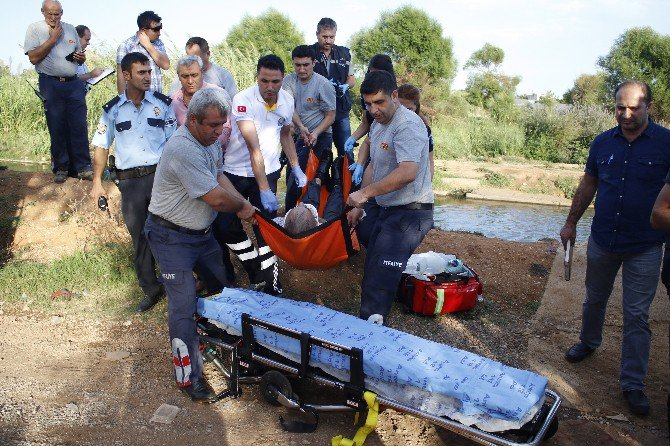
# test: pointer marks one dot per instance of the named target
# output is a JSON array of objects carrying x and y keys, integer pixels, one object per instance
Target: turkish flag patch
[{"x": 242, "y": 108}]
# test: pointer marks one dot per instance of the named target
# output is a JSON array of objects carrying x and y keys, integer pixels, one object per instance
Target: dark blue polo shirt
[{"x": 630, "y": 176}]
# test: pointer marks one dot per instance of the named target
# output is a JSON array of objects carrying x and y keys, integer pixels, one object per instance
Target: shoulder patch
[
  {"x": 111, "y": 104},
  {"x": 162, "y": 97}
]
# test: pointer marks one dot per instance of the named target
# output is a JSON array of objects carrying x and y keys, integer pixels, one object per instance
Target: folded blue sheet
[{"x": 431, "y": 377}]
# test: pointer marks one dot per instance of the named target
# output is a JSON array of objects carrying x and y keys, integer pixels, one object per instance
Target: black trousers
[{"x": 135, "y": 198}]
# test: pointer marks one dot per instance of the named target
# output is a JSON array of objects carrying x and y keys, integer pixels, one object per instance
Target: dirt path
[{"x": 78, "y": 379}]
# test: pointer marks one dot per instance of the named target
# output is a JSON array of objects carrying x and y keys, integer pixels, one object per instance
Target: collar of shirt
[{"x": 259, "y": 98}]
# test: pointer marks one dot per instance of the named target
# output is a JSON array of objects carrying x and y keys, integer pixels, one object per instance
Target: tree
[
  {"x": 589, "y": 89},
  {"x": 486, "y": 86},
  {"x": 412, "y": 39},
  {"x": 270, "y": 33},
  {"x": 641, "y": 54}
]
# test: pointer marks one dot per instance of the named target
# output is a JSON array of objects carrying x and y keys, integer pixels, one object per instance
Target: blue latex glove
[
  {"x": 344, "y": 88},
  {"x": 300, "y": 177},
  {"x": 357, "y": 175},
  {"x": 334, "y": 83},
  {"x": 269, "y": 200},
  {"x": 349, "y": 144}
]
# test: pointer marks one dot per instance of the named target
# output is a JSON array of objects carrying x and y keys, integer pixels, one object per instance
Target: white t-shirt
[{"x": 248, "y": 105}]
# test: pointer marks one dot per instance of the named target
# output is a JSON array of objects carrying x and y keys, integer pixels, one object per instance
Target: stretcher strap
[{"x": 363, "y": 431}]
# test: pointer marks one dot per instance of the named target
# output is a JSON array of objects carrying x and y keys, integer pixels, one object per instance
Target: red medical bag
[{"x": 444, "y": 293}]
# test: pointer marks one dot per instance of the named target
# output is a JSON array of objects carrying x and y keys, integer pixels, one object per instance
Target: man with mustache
[
  {"x": 54, "y": 48},
  {"x": 140, "y": 121},
  {"x": 626, "y": 166},
  {"x": 188, "y": 191}
]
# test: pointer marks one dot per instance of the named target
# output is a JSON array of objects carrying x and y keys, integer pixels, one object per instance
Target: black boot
[
  {"x": 336, "y": 170},
  {"x": 324, "y": 163}
]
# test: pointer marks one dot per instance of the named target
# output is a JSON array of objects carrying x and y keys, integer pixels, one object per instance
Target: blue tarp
[{"x": 432, "y": 377}]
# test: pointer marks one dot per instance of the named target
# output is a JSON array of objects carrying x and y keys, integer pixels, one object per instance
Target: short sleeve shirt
[
  {"x": 181, "y": 111},
  {"x": 132, "y": 45},
  {"x": 187, "y": 171},
  {"x": 404, "y": 138},
  {"x": 248, "y": 105},
  {"x": 312, "y": 99},
  {"x": 630, "y": 175},
  {"x": 139, "y": 134},
  {"x": 54, "y": 64},
  {"x": 218, "y": 75}
]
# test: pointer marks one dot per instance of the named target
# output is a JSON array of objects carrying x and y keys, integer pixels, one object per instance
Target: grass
[
  {"x": 103, "y": 279},
  {"x": 495, "y": 179},
  {"x": 567, "y": 185}
]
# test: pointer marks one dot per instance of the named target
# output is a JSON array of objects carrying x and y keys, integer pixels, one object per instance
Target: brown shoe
[{"x": 60, "y": 176}]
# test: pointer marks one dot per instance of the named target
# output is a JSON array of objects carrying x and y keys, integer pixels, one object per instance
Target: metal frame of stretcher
[{"x": 251, "y": 363}]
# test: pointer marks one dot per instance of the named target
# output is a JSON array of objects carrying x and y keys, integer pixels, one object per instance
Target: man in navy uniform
[
  {"x": 398, "y": 178},
  {"x": 334, "y": 63},
  {"x": 626, "y": 166},
  {"x": 140, "y": 121},
  {"x": 53, "y": 47},
  {"x": 189, "y": 188}
]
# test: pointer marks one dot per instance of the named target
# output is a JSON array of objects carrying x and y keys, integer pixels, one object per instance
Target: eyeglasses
[{"x": 156, "y": 28}]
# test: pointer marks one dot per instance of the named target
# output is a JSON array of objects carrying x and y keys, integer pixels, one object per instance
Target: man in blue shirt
[
  {"x": 626, "y": 166},
  {"x": 140, "y": 121}
]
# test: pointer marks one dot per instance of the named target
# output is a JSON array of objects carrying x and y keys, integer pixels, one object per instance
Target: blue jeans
[
  {"x": 341, "y": 132},
  {"x": 323, "y": 142},
  {"x": 65, "y": 110},
  {"x": 640, "y": 279}
]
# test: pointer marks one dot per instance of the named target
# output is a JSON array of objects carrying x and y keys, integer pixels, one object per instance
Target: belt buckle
[{"x": 61, "y": 78}]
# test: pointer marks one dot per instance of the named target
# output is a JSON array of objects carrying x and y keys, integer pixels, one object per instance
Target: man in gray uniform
[
  {"x": 53, "y": 47},
  {"x": 398, "y": 177},
  {"x": 189, "y": 189},
  {"x": 314, "y": 99}
]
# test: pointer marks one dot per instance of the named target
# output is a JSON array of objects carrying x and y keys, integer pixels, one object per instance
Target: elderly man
[
  {"x": 188, "y": 190},
  {"x": 262, "y": 117},
  {"x": 53, "y": 47},
  {"x": 626, "y": 166},
  {"x": 146, "y": 41},
  {"x": 398, "y": 177},
  {"x": 334, "y": 63},
  {"x": 314, "y": 100},
  {"x": 140, "y": 121}
]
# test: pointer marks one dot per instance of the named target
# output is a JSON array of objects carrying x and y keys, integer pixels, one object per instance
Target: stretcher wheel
[{"x": 272, "y": 383}]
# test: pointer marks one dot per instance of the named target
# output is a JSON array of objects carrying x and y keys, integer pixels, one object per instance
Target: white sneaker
[{"x": 376, "y": 319}]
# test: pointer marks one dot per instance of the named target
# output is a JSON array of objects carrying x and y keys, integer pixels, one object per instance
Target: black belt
[
  {"x": 60, "y": 78},
  {"x": 168, "y": 224},
  {"x": 135, "y": 172},
  {"x": 413, "y": 207}
]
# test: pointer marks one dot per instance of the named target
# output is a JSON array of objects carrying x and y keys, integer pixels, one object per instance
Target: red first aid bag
[{"x": 444, "y": 293}]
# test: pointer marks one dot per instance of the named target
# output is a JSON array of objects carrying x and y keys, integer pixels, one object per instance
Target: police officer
[
  {"x": 398, "y": 177},
  {"x": 140, "y": 121},
  {"x": 189, "y": 189},
  {"x": 53, "y": 47},
  {"x": 334, "y": 63}
]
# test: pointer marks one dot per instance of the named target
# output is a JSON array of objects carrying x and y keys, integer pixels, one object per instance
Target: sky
[{"x": 549, "y": 43}]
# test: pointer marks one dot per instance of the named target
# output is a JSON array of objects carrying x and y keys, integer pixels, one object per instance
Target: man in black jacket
[{"x": 334, "y": 63}]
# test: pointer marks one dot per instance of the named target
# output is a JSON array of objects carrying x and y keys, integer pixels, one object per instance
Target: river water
[{"x": 509, "y": 221}]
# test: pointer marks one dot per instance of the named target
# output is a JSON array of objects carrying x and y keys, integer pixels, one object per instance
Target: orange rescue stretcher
[{"x": 321, "y": 247}]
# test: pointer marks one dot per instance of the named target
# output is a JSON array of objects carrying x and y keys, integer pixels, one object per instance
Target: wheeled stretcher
[{"x": 254, "y": 338}]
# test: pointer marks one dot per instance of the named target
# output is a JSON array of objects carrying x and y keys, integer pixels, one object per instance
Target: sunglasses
[{"x": 156, "y": 28}]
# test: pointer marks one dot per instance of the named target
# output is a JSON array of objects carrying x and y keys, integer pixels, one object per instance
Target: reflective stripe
[
  {"x": 239, "y": 246},
  {"x": 439, "y": 302},
  {"x": 264, "y": 250},
  {"x": 248, "y": 255},
  {"x": 265, "y": 264}
]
